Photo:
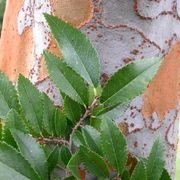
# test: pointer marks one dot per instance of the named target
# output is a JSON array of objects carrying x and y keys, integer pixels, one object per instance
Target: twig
[
  {"x": 52, "y": 140},
  {"x": 85, "y": 115}
]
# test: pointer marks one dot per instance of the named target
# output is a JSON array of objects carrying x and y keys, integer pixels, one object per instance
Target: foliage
[
  {"x": 38, "y": 138},
  {"x": 2, "y": 7}
]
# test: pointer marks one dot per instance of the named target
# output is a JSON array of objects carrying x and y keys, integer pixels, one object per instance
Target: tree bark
[{"x": 122, "y": 31}]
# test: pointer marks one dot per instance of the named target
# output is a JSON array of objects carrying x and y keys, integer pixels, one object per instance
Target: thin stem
[
  {"x": 82, "y": 119},
  {"x": 52, "y": 140}
]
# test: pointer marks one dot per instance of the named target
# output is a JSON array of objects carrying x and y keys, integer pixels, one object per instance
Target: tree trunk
[{"x": 122, "y": 31}]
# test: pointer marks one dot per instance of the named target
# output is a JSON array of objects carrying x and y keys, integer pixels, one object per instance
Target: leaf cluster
[{"x": 80, "y": 139}]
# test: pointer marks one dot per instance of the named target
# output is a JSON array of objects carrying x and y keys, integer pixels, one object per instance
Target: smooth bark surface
[{"x": 122, "y": 31}]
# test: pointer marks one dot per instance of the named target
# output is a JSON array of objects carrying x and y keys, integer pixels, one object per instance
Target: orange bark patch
[
  {"x": 76, "y": 12},
  {"x": 162, "y": 94},
  {"x": 16, "y": 51}
]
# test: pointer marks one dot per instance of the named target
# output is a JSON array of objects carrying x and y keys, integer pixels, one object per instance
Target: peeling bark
[
  {"x": 122, "y": 31},
  {"x": 166, "y": 85}
]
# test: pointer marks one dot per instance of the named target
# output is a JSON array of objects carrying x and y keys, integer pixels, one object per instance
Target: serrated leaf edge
[
  {"x": 84, "y": 161},
  {"x": 24, "y": 156},
  {"x": 102, "y": 147},
  {"x": 18, "y": 152},
  {"x": 127, "y": 99},
  {"x": 81, "y": 101},
  {"x": 85, "y": 38}
]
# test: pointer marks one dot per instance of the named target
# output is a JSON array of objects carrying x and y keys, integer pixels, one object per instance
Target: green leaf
[
  {"x": 114, "y": 112},
  {"x": 93, "y": 162},
  {"x": 139, "y": 172},
  {"x": 65, "y": 155},
  {"x": 92, "y": 138},
  {"x": 66, "y": 79},
  {"x": 53, "y": 159},
  {"x": 72, "y": 109},
  {"x": 70, "y": 178},
  {"x": 48, "y": 149},
  {"x": 76, "y": 49},
  {"x": 78, "y": 139},
  {"x": 32, "y": 151},
  {"x": 94, "y": 92},
  {"x": 1, "y": 130},
  {"x": 100, "y": 178},
  {"x": 2, "y": 8},
  {"x": 129, "y": 82},
  {"x": 8, "y": 97},
  {"x": 125, "y": 175},
  {"x": 48, "y": 115},
  {"x": 14, "y": 166},
  {"x": 96, "y": 123},
  {"x": 31, "y": 102},
  {"x": 4, "y": 107},
  {"x": 14, "y": 120},
  {"x": 165, "y": 175},
  {"x": 60, "y": 123},
  {"x": 156, "y": 161},
  {"x": 8, "y": 138},
  {"x": 98, "y": 110},
  {"x": 113, "y": 145},
  {"x": 8, "y": 173},
  {"x": 73, "y": 164}
]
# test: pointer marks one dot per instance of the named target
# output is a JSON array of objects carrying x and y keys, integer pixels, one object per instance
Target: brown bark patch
[
  {"x": 123, "y": 126},
  {"x": 162, "y": 93},
  {"x": 82, "y": 174},
  {"x": 131, "y": 163},
  {"x": 76, "y": 12},
  {"x": 16, "y": 51}
]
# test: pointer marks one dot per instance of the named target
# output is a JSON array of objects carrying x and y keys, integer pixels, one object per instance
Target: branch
[
  {"x": 82, "y": 119},
  {"x": 52, "y": 140},
  {"x": 86, "y": 114}
]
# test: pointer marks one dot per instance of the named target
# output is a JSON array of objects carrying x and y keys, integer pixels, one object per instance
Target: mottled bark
[{"x": 122, "y": 31}]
